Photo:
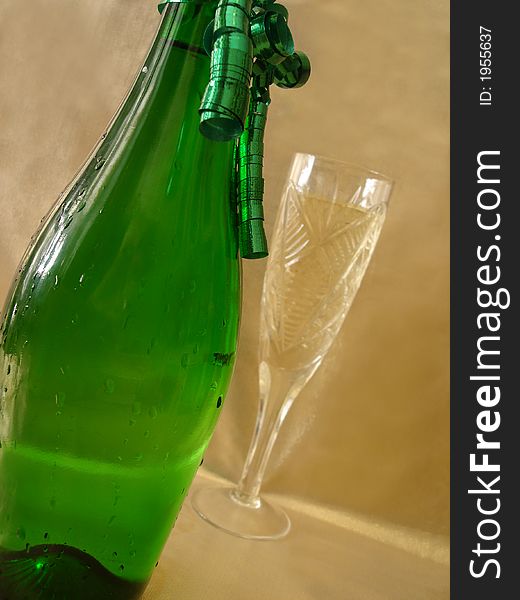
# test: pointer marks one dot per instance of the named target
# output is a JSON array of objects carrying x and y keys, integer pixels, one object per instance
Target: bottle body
[{"x": 118, "y": 339}]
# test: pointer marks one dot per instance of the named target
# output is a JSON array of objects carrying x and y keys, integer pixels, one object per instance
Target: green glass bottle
[{"x": 118, "y": 340}]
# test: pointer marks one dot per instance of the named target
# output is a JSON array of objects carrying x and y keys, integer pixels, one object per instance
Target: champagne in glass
[{"x": 315, "y": 272}]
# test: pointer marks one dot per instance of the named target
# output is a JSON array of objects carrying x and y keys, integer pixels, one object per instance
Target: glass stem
[{"x": 278, "y": 390}]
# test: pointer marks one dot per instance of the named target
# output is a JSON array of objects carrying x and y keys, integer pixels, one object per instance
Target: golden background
[{"x": 369, "y": 436}]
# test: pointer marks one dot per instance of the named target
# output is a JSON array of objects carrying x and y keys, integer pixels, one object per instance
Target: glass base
[{"x": 252, "y": 519}]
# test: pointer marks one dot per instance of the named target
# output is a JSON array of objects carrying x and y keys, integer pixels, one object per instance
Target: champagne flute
[{"x": 326, "y": 230}]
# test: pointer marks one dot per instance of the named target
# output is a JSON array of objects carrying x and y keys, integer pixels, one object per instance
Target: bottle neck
[
  {"x": 184, "y": 23},
  {"x": 164, "y": 3},
  {"x": 172, "y": 79}
]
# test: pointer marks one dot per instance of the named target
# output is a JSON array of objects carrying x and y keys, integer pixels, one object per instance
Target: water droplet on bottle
[
  {"x": 20, "y": 533},
  {"x": 121, "y": 567},
  {"x": 132, "y": 553},
  {"x": 184, "y": 360},
  {"x": 104, "y": 135},
  {"x": 111, "y": 520},
  {"x": 81, "y": 279},
  {"x": 101, "y": 210},
  {"x": 56, "y": 281},
  {"x": 110, "y": 386},
  {"x": 131, "y": 422},
  {"x": 67, "y": 224},
  {"x": 8, "y": 369},
  {"x": 219, "y": 402},
  {"x": 145, "y": 69},
  {"x": 100, "y": 161},
  {"x": 82, "y": 205},
  {"x": 195, "y": 349},
  {"x": 213, "y": 386},
  {"x": 125, "y": 442},
  {"x": 137, "y": 408},
  {"x": 60, "y": 399},
  {"x": 147, "y": 433},
  {"x": 114, "y": 554},
  {"x": 45, "y": 535},
  {"x": 82, "y": 192},
  {"x": 153, "y": 412}
]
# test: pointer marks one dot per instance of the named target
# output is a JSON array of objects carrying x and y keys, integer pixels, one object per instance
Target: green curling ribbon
[
  {"x": 251, "y": 235},
  {"x": 251, "y": 47},
  {"x": 272, "y": 37},
  {"x": 293, "y": 72},
  {"x": 225, "y": 102},
  {"x": 280, "y": 8},
  {"x": 264, "y": 4}
]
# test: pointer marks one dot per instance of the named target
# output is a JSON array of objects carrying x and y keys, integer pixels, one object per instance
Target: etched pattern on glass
[{"x": 315, "y": 270}]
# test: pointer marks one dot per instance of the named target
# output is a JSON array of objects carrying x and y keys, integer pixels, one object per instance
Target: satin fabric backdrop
[{"x": 369, "y": 436}]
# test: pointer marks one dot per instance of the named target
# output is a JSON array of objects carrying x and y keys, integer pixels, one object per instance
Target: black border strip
[{"x": 477, "y": 128}]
